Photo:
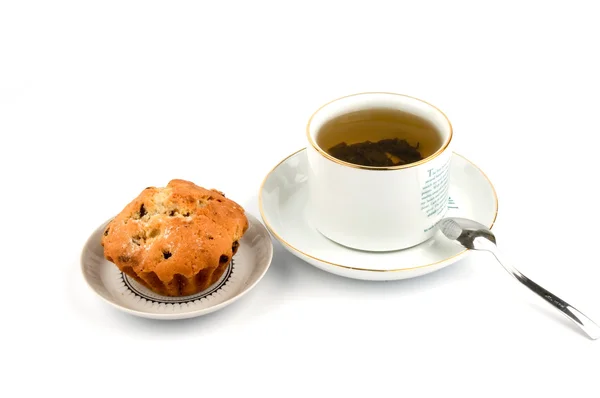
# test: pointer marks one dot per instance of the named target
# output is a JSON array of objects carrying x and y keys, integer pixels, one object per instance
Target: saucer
[
  {"x": 245, "y": 270},
  {"x": 282, "y": 203}
]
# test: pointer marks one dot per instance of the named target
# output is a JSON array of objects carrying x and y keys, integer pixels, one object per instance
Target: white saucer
[
  {"x": 282, "y": 203},
  {"x": 246, "y": 269}
]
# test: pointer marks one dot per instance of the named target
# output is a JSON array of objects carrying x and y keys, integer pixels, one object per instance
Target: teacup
[{"x": 377, "y": 208}]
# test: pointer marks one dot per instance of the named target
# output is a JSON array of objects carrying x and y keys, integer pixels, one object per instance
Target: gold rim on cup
[{"x": 356, "y": 166}]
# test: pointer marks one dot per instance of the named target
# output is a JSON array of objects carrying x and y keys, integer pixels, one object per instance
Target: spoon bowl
[{"x": 467, "y": 233}]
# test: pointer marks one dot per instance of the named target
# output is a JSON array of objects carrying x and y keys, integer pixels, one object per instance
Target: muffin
[{"x": 177, "y": 240}]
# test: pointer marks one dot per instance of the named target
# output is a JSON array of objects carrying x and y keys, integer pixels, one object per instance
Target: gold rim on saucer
[{"x": 270, "y": 228}]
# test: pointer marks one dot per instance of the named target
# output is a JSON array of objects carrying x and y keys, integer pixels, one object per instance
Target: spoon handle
[{"x": 585, "y": 323}]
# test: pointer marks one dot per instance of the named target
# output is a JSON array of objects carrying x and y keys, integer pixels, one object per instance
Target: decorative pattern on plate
[
  {"x": 138, "y": 296},
  {"x": 245, "y": 270},
  {"x": 145, "y": 293}
]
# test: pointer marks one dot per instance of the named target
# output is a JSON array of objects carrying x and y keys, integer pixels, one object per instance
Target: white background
[{"x": 100, "y": 99}]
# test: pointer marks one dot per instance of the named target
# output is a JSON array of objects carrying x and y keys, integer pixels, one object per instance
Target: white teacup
[{"x": 377, "y": 208}]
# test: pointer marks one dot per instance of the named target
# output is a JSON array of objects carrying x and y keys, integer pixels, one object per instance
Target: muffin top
[{"x": 179, "y": 229}]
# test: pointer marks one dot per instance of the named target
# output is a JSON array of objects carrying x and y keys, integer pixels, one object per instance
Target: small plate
[
  {"x": 282, "y": 203},
  {"x": 246, "y": 269}
]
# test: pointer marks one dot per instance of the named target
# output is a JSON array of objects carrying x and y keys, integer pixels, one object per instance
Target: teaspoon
[{"x": 475, "y": 236}]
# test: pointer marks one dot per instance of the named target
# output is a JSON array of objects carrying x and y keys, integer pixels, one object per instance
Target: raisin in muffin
[{"x": 176, "y": 240}]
